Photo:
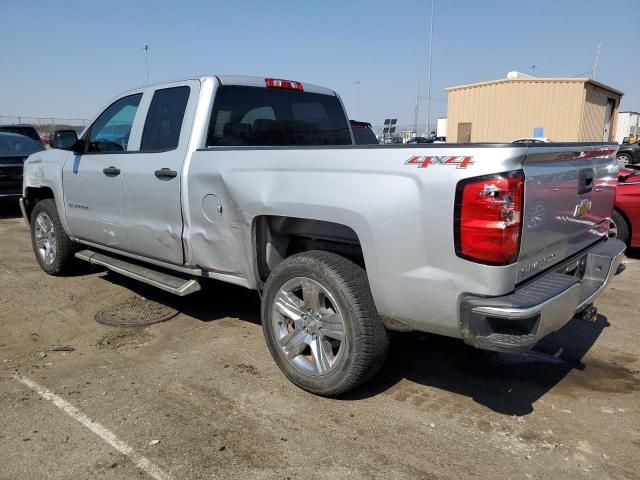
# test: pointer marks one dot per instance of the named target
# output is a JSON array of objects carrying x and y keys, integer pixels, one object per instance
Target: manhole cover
[{"x": 135, "y": 313}]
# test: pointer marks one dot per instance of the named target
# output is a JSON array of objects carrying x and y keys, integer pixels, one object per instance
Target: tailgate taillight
[{"x": 488, "y": 218}]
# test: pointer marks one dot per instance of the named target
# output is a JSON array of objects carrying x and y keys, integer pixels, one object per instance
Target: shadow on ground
[
  {"x": 505, "y": 383},
  {"x": 217, "y": 300},
  {"x": 9, "y": 209}
]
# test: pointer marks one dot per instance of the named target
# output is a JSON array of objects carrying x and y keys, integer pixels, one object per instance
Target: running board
[{"x": 164, "y": 281}]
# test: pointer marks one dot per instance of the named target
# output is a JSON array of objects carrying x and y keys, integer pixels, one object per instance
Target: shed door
[
  {"x": 607, "y": 119},
  {"x": 464, "y": 132}
]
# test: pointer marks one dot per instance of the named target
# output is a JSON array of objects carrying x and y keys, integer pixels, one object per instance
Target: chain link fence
[{"x": 44, "y": 125}]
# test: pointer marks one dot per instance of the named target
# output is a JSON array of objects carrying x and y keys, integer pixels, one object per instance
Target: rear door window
[
  {"x": 254, "y": 116},
  {"x": 164, "y": 119}
]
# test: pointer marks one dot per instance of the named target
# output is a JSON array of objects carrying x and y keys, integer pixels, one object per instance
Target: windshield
[
  {"x": 11, "y": 144},
  {"x": 255, "y": 116}
]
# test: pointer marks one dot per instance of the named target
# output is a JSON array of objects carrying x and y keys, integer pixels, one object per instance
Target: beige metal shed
[{"x": 561, "y": 109}]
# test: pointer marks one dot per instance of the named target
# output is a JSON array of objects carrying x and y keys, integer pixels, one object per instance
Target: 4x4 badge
[{"x": 424, "y": 162}]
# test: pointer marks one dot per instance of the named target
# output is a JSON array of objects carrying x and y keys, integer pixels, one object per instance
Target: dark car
[
  {"x": 629, "y": 153},
  {"x": 26, "y": 130},
  {"x": 420, "y": 140},
  {"x": 14, "y": 149},
  {"x": 363, "y": 133}
]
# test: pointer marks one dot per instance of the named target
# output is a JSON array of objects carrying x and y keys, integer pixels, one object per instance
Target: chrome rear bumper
[{"x": 516, "y": 322}]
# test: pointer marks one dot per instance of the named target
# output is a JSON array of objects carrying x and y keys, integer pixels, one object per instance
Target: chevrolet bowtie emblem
[{"x": 582, "y": 208}]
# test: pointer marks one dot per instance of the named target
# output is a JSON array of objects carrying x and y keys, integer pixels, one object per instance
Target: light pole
[
  {"x": 145, "y": 47},
  {"x": 357, "y": 86},
  {"x": 429, "y": 78}
]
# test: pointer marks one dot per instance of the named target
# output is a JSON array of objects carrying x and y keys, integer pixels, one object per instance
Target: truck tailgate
[{"x": 569, "y": 195}]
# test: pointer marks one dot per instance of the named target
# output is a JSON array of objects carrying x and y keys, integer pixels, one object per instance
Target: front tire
[
  {"x": 321, "y": 324},
  {"x": 53, "y": 248},
  {"x": 624, "y": 159}
]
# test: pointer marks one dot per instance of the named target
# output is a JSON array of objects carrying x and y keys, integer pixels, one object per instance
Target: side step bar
[{"x": 164, "y": 281}]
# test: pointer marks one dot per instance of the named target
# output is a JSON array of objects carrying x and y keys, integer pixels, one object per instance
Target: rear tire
[
  {"x": 321, "y": 324},
  {"x": 53, "y": 248},
  {"x": 619, "y": 228}
]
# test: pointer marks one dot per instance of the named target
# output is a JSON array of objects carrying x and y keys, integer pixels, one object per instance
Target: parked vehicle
[
  {"x": 629, "y": 153},
  {"x": 532, "y": 140},
  {"x": 625, "y": 223},
  {"x": 26, "y": 130},
  {"x": 14, "y": 149},
  {"x": 363, "y": 133},
  {"x": 257, "y": 182},
  {"x": 415, "y": 140}
]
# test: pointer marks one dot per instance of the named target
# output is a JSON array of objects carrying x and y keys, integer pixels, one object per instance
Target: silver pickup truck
[{"x": 257, "y": 182}]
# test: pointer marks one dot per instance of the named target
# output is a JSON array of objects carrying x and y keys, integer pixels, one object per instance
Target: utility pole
[
  {"x": 145, "y": 47},
  {"x": 429, "y": 77},
  {"x": 597, "y": 61},
  {"x": 416, "y": 109},
  {"x": 357, "y": 84}
]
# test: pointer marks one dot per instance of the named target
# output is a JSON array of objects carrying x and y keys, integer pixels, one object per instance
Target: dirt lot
[{"x": 199, "y": 396}]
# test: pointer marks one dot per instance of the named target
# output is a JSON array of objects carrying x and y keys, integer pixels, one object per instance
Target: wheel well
[
  {"x": 33, "y": 195},
  {"x": 276, "y": 238}
]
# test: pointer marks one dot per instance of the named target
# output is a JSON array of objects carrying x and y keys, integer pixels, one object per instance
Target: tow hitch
[{"x": 590, "y": 314}]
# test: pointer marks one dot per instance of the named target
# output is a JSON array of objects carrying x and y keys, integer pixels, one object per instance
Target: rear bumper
[{"x": 516, "y": 322}]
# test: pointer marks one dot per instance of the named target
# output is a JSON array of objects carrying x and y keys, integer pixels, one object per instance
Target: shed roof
[{"x": 537, "y": 79}]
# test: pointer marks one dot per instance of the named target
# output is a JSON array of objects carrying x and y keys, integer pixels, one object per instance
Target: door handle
[
  {"x": 111, "y": 171},
  {"x": 166, "y": 173}
]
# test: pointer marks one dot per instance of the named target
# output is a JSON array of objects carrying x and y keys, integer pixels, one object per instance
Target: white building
[
  {"x": 441, "y": 128},
  {"x": 628, "y": 124}
]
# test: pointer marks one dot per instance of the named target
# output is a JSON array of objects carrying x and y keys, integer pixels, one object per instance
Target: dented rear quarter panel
[{"x": 402, "y": 213}]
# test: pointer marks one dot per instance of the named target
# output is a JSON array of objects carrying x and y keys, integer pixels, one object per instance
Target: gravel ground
[{"x": 199, "y": 396}]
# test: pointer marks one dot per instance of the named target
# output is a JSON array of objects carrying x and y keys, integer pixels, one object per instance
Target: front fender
[{"x": 44, "y": 170}]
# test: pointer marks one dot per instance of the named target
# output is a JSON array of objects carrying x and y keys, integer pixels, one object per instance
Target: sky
[{"x": 69, "y": 61}]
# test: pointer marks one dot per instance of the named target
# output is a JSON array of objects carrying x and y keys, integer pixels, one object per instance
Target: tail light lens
[
  {"x": 286, "y": 84},
  {"x": 488, "y": 218}
]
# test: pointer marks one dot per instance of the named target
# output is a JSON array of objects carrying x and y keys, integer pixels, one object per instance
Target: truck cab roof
[{"x": 242, "y": 81}]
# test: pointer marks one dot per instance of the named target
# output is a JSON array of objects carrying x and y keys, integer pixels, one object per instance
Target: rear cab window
[{"x": 258, "y": 116}]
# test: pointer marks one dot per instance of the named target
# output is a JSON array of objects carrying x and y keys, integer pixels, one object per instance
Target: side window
[
  {"x": 164, "y": 119},
  {"x": 110, "y": 132}
]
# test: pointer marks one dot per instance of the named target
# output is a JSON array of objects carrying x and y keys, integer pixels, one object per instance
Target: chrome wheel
[
  {"x": 45, "y": 237},
  {"x": 309, "y": 326},
  {"x": 623, "y": 159}
]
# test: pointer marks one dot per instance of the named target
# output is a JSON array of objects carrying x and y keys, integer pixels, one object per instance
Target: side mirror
[{"x": 63, "y": 139}]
